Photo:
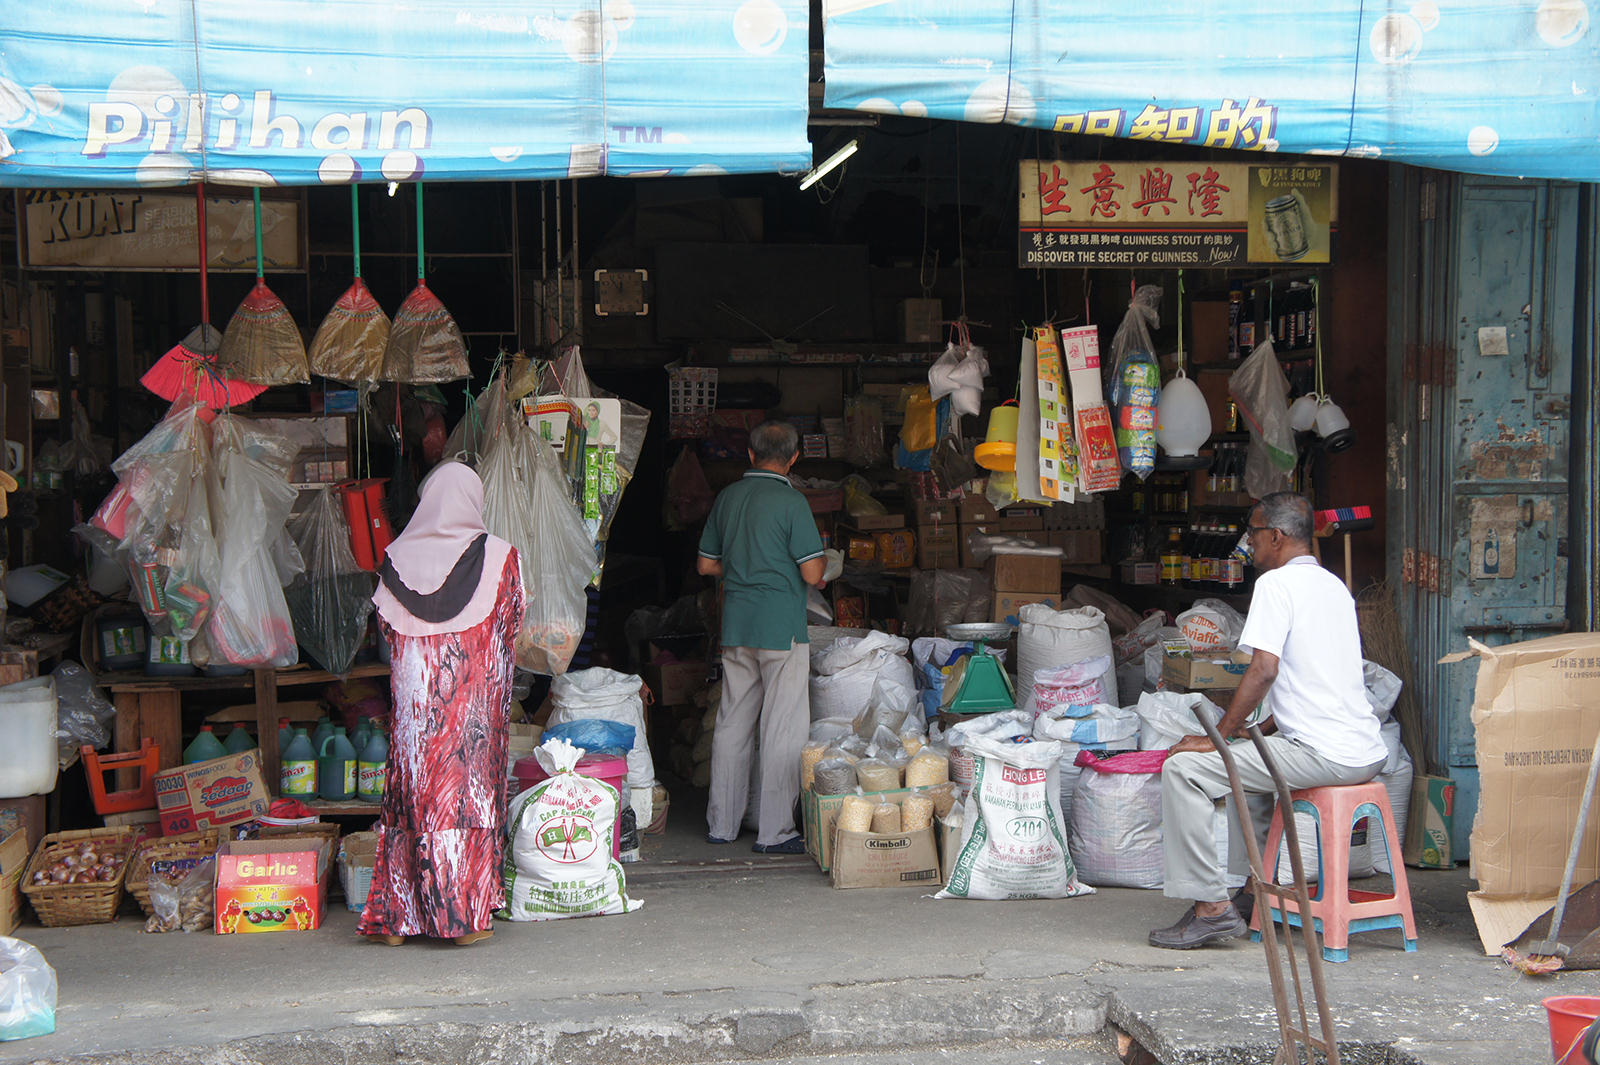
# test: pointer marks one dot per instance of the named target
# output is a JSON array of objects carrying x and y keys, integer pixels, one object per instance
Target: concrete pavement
[{"x": 737, "y": 958}]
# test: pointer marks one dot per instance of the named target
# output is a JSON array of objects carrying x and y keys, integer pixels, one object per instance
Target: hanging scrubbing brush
[
  {"x": 425, "y": 344},
  {"x": 350, "y": 343},
  {"x": 262, "y": 344}
]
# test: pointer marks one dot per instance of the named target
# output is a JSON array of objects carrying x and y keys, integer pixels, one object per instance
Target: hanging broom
[
  {"x": 350, "y": 343},
  {"x": 425, "y": 344},
  {"x": 262, "y": 344}
]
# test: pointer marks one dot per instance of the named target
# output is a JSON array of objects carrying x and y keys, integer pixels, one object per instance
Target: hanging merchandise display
[
  {"x": 1058, "y": 449},
  {"x": 1183, "y": 421},
  {"x": 1136, "y": 382},
  {"x": 1261, "y": 390},
  {"x": 1330, "y": 422},
  {"x": 999, "y": 448},
  {"x": 1098, "y": 467},
  {"x": 614, "y": 431},
  {"x": 1005, "y": 488},
  {"x": 959, "y": 372},
  {"x": 527, "y": 502},
  {"x": 351, "y": 340},
  {"x": 425, "y": 344},
  {"x": 262, "y": 344},
  {"x": 331, "y": 602}
]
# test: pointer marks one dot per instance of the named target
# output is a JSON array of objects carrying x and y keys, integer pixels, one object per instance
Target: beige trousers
[
  {"x": 764, "y": 693},
  {"x": 1191, "y": 786}
]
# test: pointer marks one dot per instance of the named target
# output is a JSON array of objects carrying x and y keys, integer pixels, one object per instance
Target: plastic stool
[
  {"x": 1337, "y": 911},
  {"x": 147, "y": 760}
]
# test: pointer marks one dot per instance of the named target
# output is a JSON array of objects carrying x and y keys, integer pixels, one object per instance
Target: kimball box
[
  {"x": 212, "y": 793},
  {"x": 267, "y": 886}
]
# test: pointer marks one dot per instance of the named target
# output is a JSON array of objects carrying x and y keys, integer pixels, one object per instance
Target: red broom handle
[{"x": 205, "y": 299}]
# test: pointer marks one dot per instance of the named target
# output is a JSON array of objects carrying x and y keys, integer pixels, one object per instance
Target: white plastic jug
[{"x": 28, "y": 738}]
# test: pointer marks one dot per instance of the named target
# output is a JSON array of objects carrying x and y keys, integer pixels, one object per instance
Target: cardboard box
[
  {"x": 968, "y": 559},
  {"x": 938, "y": 557},
  {"x": 897, "y": 548},
  {"x": 675, "y": 683},
  {"x": 1022, "y": 519},
  {"x": 13, "y": 859},
  {"x": 1025, "y": 573},
  {"x": 975, "y": 509},
  {"x": 949, "y": 848},
  {"x": 211, "y": 793},
  {"x": 1536, "y": 713},
  {"x": 282, "y": 888},
  {"x": 1201, "y": 674},
  {"x": 1428, "y": 825},
  {"x": 358, "y": 857},
  {"x": 820, "y": 813},
  {"x": 921, "y": 321},
  {"x": 1083, "y": 547},
  {"x": 874, "y": 522},
  {"x": 937, "y": 512},
  {"x": 872, "y": 860},
  {"x": 1141, "y": 573},
  {"x": 1007, "y": 605}
]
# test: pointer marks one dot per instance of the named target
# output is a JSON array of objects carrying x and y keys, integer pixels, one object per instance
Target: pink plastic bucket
[{"x": 611, "y": 770}]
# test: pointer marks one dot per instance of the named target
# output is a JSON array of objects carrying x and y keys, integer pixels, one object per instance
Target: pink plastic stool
[{"x": 1337, "y": 911}]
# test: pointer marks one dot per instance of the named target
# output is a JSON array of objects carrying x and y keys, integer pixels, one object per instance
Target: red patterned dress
[{"x": 441, "y": 835}]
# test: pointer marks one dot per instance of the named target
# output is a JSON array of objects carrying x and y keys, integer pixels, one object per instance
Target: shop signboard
[
  {"x": 111, "y": 94},
  {"x": 151, "y": 229},
  {"x": 1165, "y": 214}
]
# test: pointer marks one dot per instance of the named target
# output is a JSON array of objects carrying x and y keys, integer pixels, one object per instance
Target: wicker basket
[
  {"x": 73, "y": 904},
  {"x": 166, "y": 848}
]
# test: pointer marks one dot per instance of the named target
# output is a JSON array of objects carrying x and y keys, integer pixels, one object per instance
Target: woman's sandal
[{"x": 473, "y": 937}]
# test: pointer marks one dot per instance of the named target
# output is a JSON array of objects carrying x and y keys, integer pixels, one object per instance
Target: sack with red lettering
[{"x": 1013, "y": 838}]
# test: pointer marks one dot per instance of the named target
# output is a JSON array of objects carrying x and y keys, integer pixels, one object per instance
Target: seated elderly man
[{"x": 1307, "y": 669}]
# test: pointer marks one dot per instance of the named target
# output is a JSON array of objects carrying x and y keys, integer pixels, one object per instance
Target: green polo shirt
[{"x": 761, "y": 529}]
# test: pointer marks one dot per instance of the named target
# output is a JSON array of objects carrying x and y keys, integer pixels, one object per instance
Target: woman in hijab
[{"x": 450, "y": 603}]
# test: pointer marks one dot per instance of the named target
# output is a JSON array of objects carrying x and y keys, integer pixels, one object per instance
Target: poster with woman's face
[{"x": 602, "y": 421}]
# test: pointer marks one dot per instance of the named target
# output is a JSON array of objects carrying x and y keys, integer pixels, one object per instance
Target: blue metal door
[{"x": 1482, "y": 364}]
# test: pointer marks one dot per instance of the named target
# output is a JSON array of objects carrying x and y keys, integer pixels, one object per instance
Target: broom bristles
[
  {"x": 350, "y": 343},
  {"x": 262, "y": 344},
  {"x": 425, "y": 344}
]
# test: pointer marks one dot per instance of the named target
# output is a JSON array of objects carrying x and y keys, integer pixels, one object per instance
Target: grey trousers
[
  {"x": 769, "y": 691},
  {"x": 1191, "y": 786}
]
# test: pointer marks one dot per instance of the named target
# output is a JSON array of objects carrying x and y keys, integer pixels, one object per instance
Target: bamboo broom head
[
  {"x": 425, "y": 344},
  {"x": 262, "y": 344},
  {"x": 351, "y": 341}
]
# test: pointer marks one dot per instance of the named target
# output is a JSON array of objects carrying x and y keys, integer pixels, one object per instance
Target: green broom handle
[
  {"x": 419, "y": 232},
  {"x": 261, "y": 269},
  {"x": 355, "y": 226}
]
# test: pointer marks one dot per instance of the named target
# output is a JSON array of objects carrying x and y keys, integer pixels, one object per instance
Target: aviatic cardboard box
[
  {"x": 1193, "y": 673},
  {"x": 269, "y": 886},
  {"x": 1536, "y": 712},
  {"x": 211, "y": 793}
]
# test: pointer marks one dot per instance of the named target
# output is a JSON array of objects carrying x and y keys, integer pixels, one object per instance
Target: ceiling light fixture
[{"x": 828, "y": 165}]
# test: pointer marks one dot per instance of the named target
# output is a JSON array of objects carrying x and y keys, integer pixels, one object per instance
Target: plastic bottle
[
  {"x": 298, "y": 776},
  {"x": 205, "y": 747},
  {"x": 336, "y": 768},
  {"x": 319, "y": 734},
  {"x": 239, "y": 740},
  {"x": 285, "y": 734},
  {"x": 372, "y": 768},
  {"x": 1172, "y": 558},
  {"x": 362, "y": 734}
]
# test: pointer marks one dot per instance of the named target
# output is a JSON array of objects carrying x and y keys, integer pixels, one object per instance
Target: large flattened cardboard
[{"x": 1536, "y": 712}]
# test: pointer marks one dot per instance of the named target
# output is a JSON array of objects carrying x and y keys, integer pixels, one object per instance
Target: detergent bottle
[
  {"x": 298, "y": 776},
  {"x": 239, "y": 740},
  {"x": 336, "y": 768},
  {"x": 205, "y": 747},
  {"x": 372, "y": 770}
]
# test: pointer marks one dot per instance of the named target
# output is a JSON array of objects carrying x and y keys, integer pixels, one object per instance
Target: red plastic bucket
[
  {"x": 1569, "y": 1016},
  {"x": 611, "y": 770}
]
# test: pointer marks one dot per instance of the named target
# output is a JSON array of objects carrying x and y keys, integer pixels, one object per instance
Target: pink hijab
[{"x": 448, "y": 520}]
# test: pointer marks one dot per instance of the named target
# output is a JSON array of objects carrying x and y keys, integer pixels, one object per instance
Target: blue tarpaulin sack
[{"x": 594, "y": 735}]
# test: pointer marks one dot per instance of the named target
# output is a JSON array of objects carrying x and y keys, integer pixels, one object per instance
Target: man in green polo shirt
[{"x": 762, "y": 541}]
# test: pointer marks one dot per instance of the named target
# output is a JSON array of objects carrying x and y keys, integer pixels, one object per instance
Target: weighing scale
[{"x": 978, "y": 680}]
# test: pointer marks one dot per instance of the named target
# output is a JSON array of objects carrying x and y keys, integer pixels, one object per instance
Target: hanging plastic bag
[
  {"x": 921, "y": 428},
  {"x": 526, "y": 501},
  {"x": 83, "y": 715},
  {"x": 331, "y": 602},
  {"x": 1136, "y": 382},
  {"x": 959, "y": 374},
  {"x": 1261, "y": 391},
  {"x": 863, "y": 420},
  {"x": 250, "y": 624},
  {"x": 27, "y": 991},
  {"x": 858, "y": 501},
  {"x": 486, "y": 415},
  {"x": 689, "y": 495}
]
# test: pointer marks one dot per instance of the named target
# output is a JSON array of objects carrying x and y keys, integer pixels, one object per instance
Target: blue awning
[
  {"x": 1483, "y": 86},
  {"x": 304, "y": 92}
]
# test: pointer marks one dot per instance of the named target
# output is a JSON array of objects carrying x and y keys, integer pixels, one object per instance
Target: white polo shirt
[{"x": 1304, "y": 614}]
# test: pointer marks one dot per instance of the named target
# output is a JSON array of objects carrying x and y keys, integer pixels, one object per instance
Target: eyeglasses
[{"x": 1253, "y": 529}]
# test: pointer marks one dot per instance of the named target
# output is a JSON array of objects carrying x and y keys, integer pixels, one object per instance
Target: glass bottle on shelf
[
  {"x": 1247, "y": 327},
  {"x": 1235, "y": 317},
  {"x": 1172, "y": 557}
]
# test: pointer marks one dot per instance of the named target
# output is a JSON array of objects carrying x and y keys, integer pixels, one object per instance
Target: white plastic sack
[
  {"x": 1211, "y": 626},
  {"x": 1155, "y": 657},
  {"x": 1129, "y": 647},
  {"x": 1167, "y": 717},
  {"x": 605, "y": 695},
  {"x": 1050, "y": 638},
  {"x": 1383, "y": 689},
  {"x": 959, "y": 374},
  {"x": 1013, "y": 839},
  {"x": 1103, "y": 726},
  {"x": 1116, "y": 826},
  {"x": 559, "y": 860},
  {"x": 1396, "y": 780},
  {"x": 1081, "y": 685},
  {"x": 27, "y": 991},
  {"x": 844, "y": 674}
]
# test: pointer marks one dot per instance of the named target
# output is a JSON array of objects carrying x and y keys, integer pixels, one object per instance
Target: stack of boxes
[
  {"x": 938, "y": 534},
  {"x": 1079, "y": 529},
  {"x": 1019, "y": 580}
]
